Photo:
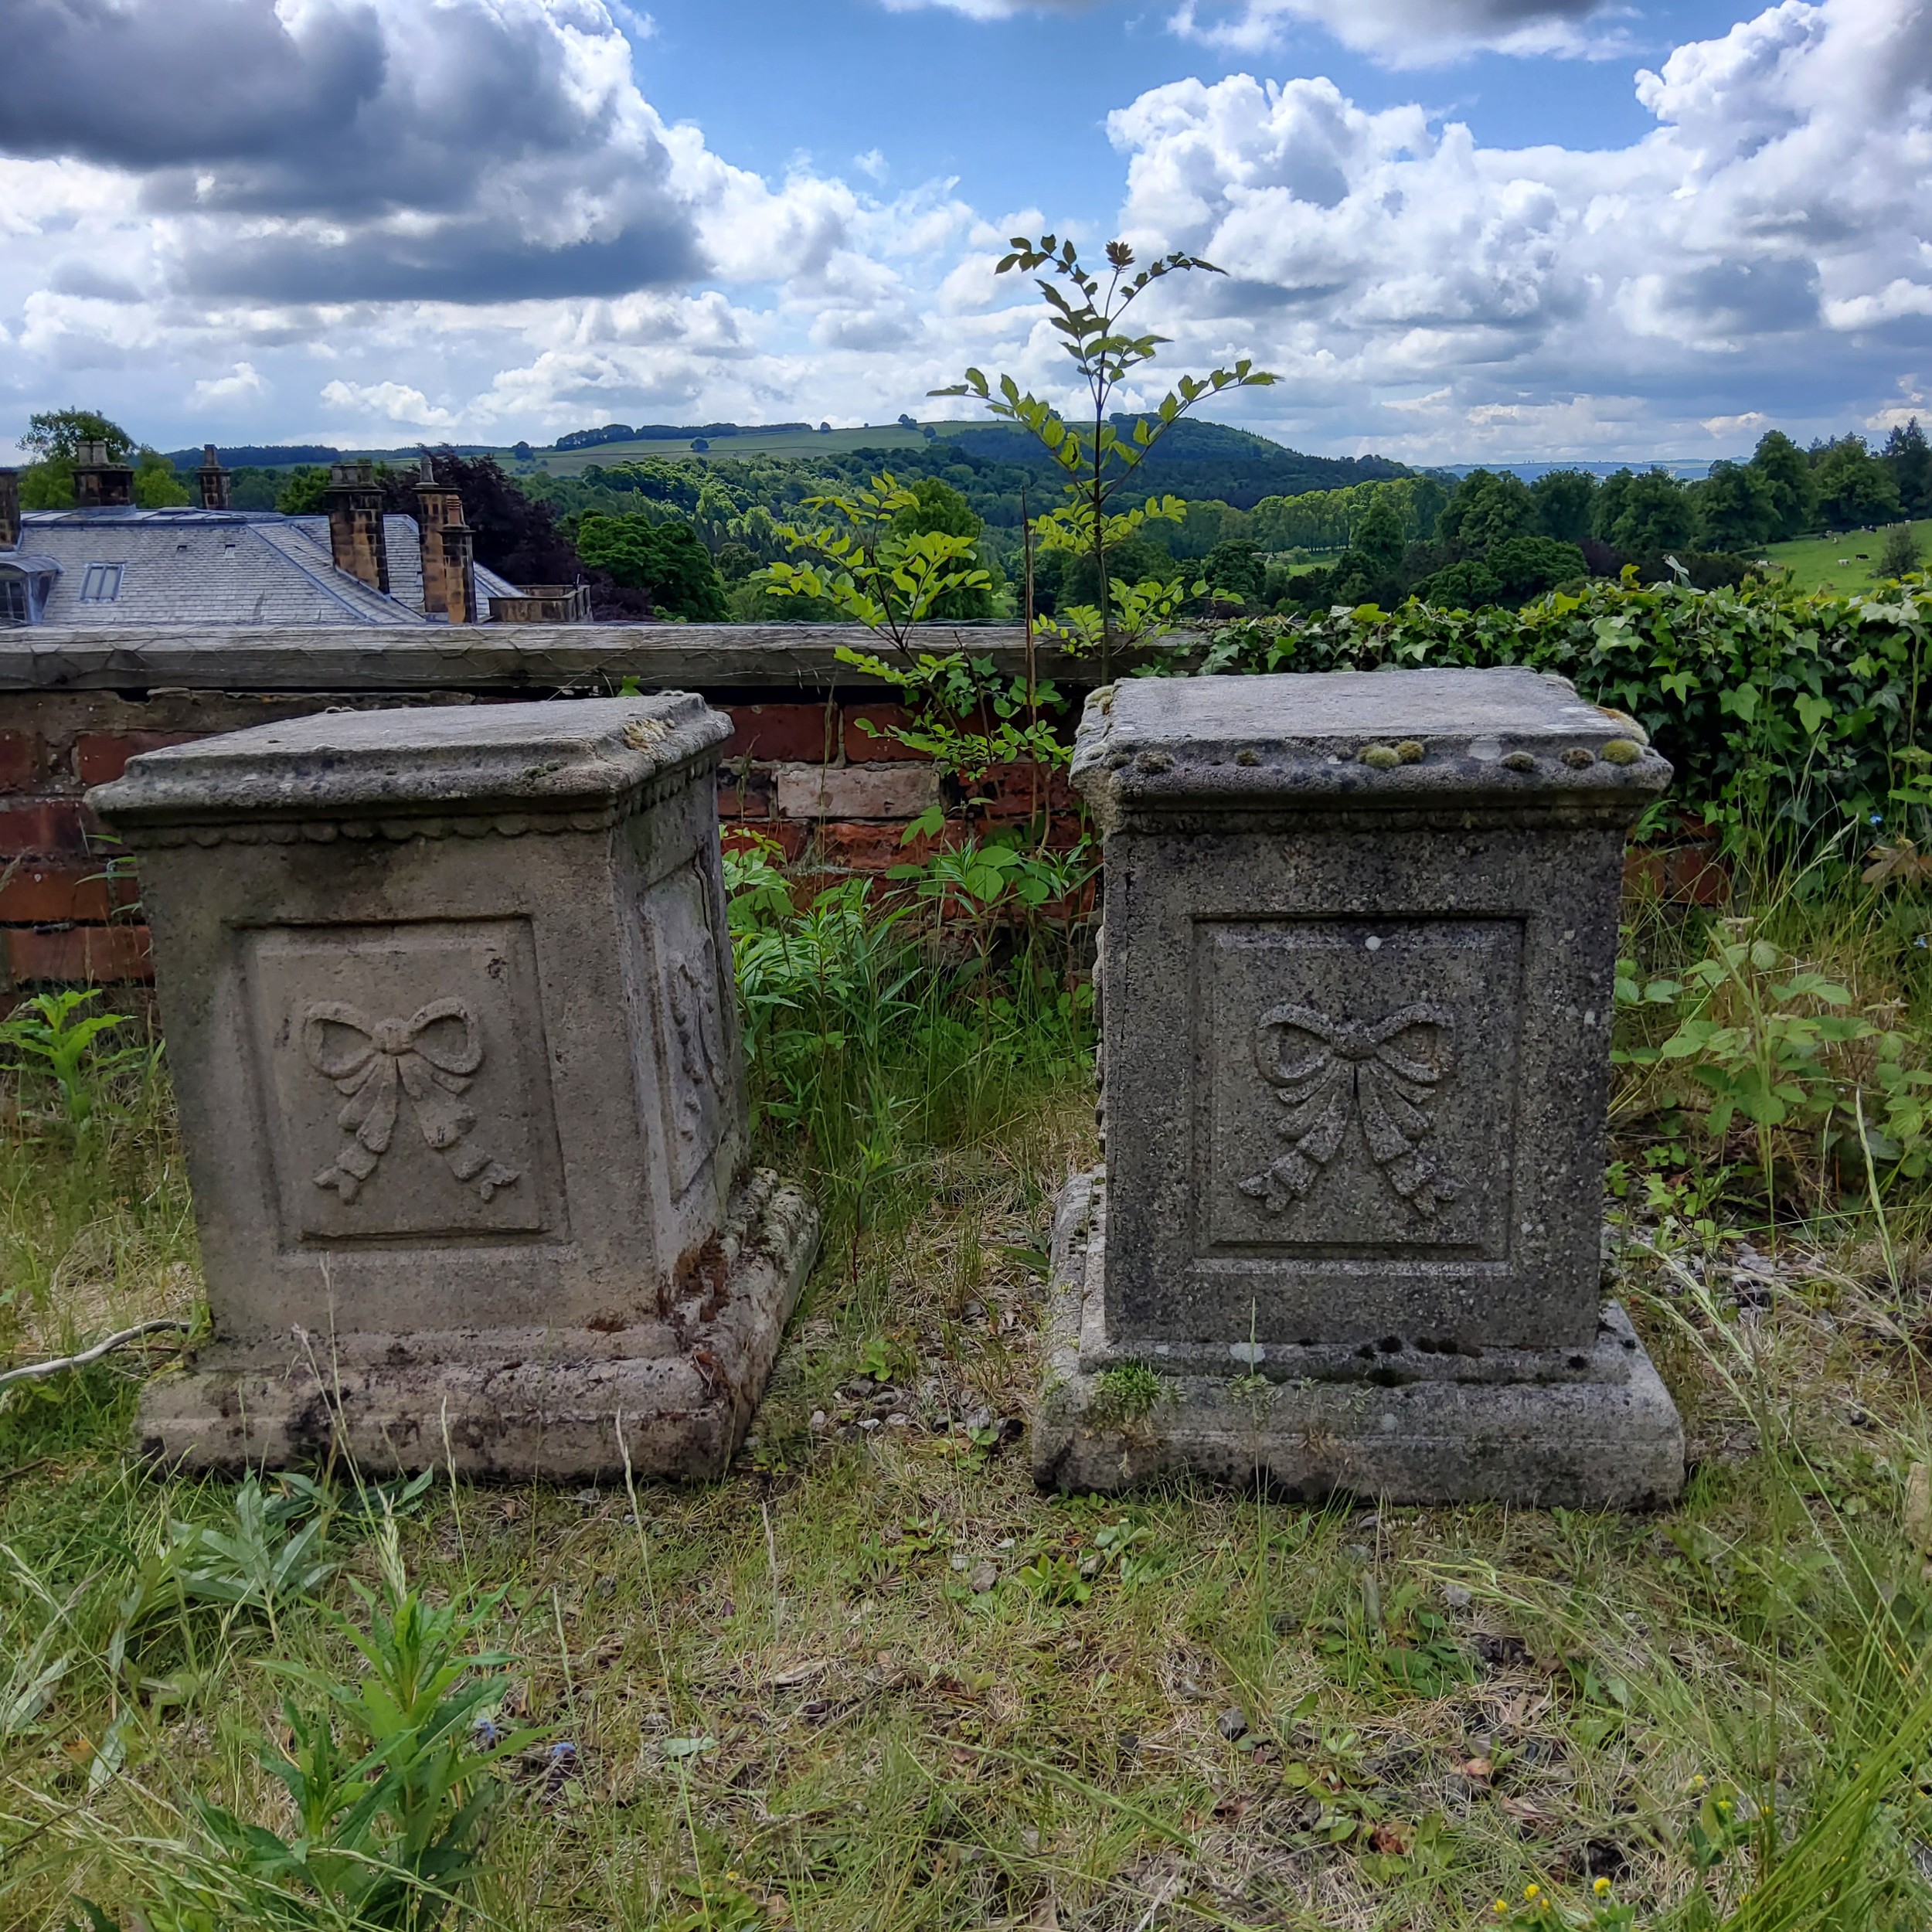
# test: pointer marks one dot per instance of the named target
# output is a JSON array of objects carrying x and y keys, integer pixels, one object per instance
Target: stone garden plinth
[
  {"x": 447, "y": 995},
  {"x": 1356, "y": 986}
]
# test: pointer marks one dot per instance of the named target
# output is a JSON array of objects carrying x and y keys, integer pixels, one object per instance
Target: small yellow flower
[
  {"x": 1601, "y": 1887},
  {"x": 1502, "y": 1905},
  {"x": 1533, "y": 1891}
]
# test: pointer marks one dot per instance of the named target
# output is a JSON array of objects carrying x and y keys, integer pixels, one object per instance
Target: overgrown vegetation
[
  {"x": 1103, "y": 463},
  {"x": 875, "y": 1680}
]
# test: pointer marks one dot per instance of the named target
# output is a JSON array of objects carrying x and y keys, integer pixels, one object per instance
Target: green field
[
  {"x": 1840, "y": 564},
  {"x": 776, "y": 442}
]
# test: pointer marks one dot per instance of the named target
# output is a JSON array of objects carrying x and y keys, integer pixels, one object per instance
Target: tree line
[
  {"x": 1497, "y": 539},
  {"x": 693, "y": 539}
]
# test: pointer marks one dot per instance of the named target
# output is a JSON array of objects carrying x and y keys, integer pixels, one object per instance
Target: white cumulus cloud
[
  {"x": 1769, "y": 240},
  {"x": 1410, "y": 33},
  {"x": 385, "y": 403},
  {"x": 464, "y": 217},
  {"x": 242, "y": 380}
]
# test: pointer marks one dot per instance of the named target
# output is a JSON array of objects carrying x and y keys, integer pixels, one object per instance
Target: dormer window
[
  {"x": 26, "y": 580},
  {"x": 102, "y": 584}
]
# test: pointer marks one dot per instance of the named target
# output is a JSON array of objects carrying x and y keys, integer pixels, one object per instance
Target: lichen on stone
[
  {"x": 1410, "y": 751},
  {"x": 1519, "y": 761},
  {"x": 1380, "y": 757},
  {"x": 1577, "y": 756},
  {"x": 1155, "y": 761},
  {"x": 1622, "y": 751}
]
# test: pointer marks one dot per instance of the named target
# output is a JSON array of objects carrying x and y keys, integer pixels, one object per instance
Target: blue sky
[
  {"x": 1459, "y": 230},
  {"x": 1016, "y": 108}
]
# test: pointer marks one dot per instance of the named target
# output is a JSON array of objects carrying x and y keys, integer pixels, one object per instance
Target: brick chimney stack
[
  {"x": 459, "y": 572},
  {"x": 214, "y": 480},
  {"x": 100, "y": 483},
  {"x": 449, "y": 550},
  {"x": 355, "y": 540},
  {"x": 9, "y": 509}
]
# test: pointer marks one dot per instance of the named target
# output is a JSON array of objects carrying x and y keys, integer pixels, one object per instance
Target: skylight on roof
[{"x": 102, "y": 584}]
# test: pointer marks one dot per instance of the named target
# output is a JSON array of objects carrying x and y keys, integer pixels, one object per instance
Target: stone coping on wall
[{"x": 488, "y": 658}]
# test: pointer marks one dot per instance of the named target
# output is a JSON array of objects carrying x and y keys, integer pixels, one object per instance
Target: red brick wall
[{"x": 805, "y": 772}]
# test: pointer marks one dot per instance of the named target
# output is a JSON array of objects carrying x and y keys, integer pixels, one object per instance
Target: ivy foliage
[{"x": 1802, "y": 718}]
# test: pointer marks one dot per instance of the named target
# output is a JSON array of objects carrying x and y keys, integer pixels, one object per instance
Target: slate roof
[
  {"x": 405, "y": 545},
  {"x": 186, "y": 566}
]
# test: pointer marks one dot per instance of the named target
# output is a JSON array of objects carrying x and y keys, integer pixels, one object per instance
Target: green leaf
[{"x": 1812, "y": 712}]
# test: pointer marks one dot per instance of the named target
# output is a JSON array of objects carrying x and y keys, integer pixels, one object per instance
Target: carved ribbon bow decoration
[
  {"x": 368, "y": 1059},
  {"x": 1384, "y": 1075}
]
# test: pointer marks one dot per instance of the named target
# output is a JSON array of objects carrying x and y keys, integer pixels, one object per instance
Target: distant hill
[
  {"x": 668, "y": 432},
  {"x": 284, "y": 456},
  {"x": 1197, "y": 460}
]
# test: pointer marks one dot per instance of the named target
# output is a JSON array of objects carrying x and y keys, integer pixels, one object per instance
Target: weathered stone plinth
[
  {"x": 448, "y": 1003},
  {"x": 1356, "y": 986}
]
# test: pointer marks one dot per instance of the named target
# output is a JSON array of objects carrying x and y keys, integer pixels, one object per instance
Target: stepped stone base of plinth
[
  {"x": 1593, "y": 1429},
  {"x": 513, "y": 1403}
]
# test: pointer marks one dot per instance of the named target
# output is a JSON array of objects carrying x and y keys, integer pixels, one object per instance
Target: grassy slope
[
  {"x": 1840, "y": 565},
  {"x": 889, "y": 1747}
]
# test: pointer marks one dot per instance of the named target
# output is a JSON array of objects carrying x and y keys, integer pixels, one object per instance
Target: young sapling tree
[{"x": 1100, "y": 460}]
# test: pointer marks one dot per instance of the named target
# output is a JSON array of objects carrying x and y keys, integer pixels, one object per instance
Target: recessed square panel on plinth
[
  {"x": 1360, "y": 1087},
  {"x": 694, "y": 1004},
  {"x": 404, "y": 1080}
]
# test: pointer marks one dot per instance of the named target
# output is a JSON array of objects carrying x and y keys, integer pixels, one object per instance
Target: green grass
[
  {"x": 1840, "y": 565},
  {"x": 874, "y": 1680}
]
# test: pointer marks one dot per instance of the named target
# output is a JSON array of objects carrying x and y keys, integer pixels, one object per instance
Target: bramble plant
[
  {"x": 1098, "y": 461},
  {"x": 1770, "y": 1039}
]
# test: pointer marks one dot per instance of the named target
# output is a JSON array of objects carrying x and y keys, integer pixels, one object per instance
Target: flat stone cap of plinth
[
  {"x": 565, "y": 755},
  {"x": 1395, "y": 738}
]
